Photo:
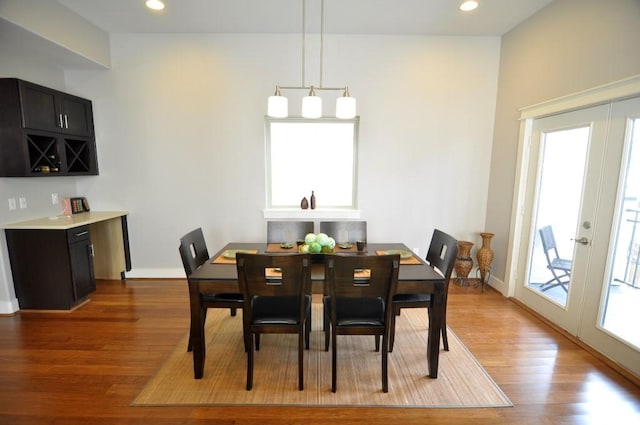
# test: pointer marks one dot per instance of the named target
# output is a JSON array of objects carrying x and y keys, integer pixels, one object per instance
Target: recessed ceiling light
[
  {"x": 154, "y": 4},
  {"x": 468, "y": 5}
]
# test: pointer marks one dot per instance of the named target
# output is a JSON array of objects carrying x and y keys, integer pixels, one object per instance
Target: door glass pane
[
  {"x": 622, "y": 307},
  {"x": 559, "y": 196}
]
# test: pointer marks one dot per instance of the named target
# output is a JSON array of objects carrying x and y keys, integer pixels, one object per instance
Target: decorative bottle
[
  {"x": 313, "y": 200},
  {"x": 304, "y": 204}
]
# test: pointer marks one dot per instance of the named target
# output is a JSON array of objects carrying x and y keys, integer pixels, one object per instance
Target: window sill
[{"x": 323, "y": 213}]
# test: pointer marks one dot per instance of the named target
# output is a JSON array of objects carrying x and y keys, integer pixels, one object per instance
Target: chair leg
[
  {"x": 307, "y": 331},
  {"x": 301, "y": 360},
  {"x": 377, "y": 343},
  {"x": 307, "y": 328},
  {"x": 385, "y": 365},
  {"x": 233, "y": 311},
  {"x": 334, "y": 359},
  {"x": 445, "y": 340},
  {"x": 327, "y": 328},
  {"x": 392, "y": 329},
  {"x": 257, "y": 342},
  {"x": 250, "y": 363}
]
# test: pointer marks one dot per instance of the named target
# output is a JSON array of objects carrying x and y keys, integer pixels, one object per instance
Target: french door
[{"x": 580, "y": 235}]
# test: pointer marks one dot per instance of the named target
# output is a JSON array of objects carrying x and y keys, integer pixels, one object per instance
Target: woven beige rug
[{"x": 461, "y": 382}]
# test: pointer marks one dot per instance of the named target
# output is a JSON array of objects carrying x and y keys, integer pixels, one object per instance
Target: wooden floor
[{"x": 85, "y": 367}]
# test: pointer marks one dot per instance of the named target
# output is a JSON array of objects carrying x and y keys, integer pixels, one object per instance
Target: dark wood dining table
[{"x": 415, "y": 276}]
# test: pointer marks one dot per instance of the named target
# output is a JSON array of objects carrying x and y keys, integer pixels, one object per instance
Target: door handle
[{"x": 583, "y": 240}]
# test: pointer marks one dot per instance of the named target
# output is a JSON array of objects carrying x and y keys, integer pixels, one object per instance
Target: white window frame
[{"x": 306, "y": 162}]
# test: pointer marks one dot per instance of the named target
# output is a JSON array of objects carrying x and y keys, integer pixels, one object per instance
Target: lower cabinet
[{"x": 52, "y": 269}]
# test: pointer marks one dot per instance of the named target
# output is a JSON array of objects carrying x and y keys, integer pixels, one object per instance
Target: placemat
[
  {"x": 275, "y": 248},
  {"x": 220, "y": 259},
  {"x": 411, "y": 260}
]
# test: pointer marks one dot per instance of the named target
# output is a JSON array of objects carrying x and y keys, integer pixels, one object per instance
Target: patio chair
[{"x": 560, "y": 267}]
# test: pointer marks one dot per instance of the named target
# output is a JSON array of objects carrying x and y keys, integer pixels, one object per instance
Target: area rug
[{"x": 461, "y": 382}]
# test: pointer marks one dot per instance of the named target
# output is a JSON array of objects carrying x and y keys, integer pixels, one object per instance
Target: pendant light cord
[
  {"x": 321, "y": 38},
  {"x": 304, "y": 42},
  {"x": 304, "y": 31}
]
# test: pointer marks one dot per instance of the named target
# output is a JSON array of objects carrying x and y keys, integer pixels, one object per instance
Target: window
[{"x": 317, "y": 155}]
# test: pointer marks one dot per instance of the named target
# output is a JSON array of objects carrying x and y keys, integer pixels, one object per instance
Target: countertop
[{"x": 63, "y": 222}]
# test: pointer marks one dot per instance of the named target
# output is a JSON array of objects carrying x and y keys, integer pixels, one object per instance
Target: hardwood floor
[{"x": 86, "y": 367}]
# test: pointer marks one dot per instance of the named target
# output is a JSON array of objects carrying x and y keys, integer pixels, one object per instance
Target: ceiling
[{"x": 430, "y": 17}]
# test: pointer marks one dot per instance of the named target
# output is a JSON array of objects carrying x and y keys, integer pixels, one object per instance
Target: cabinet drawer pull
[
  {"x": 81, "y": 233},
  {"x": 60, "y": 121},
  {"x": 66, "y": 122}
]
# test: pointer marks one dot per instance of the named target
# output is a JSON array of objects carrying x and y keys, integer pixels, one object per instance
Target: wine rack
[{"x": 43, "y": 154}]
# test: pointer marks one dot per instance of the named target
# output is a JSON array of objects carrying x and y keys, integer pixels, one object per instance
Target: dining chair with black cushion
[
  {"x": 288, "y": 231},
  {"x": 360, "y": 288},
  {"x": 194, "y": 253},
  {"x": 441, "y": 255},
  {"x": 560, "y": 268},
  {"x": 277, "y": 299},
  {"x": 346, "y": 231},
  {"x": 349, "y": 230}
]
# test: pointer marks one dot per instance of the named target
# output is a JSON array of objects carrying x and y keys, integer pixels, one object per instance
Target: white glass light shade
[
  {"x": 346, "y": 107},
  {"x": 278, "y": 107},
  {"x": 311, "y": 106}
]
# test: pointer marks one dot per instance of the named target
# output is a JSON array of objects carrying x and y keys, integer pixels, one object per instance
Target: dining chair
[
  {"x": 194, "y": 253},
  {"x": 288, "y": 231},
  {"x": 349, "y": 230},
  {"x": 277, "y": 299},
  {"x": 360, "y": 290},
  {"x": 560, "y": 268},
  {"x": 441, "y": 255},
  {"x": 345, "y": 231}
]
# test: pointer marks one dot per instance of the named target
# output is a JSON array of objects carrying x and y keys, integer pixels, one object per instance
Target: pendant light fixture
[
  {"x": 311, "y": 105},
  {"x": 346, "y": 105},
  {"x": 277, "y": 105}
]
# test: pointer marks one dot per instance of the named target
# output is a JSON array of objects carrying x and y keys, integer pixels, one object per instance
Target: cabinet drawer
[{"x": 78, "y": 234}]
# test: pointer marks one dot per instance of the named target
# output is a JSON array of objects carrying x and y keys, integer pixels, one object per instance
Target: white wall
[
  {"x": 180, "y": 134},
  {"x": 179, "y": 128},
  {"x": 567, "y": 47}
]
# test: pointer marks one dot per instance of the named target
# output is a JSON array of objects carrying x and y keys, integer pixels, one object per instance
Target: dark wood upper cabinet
[{"x": 44, "y": 132}]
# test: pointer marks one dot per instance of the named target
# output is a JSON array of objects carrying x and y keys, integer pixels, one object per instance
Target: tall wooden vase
[
  {"x": 485, "y": 258},
  {"x": 464, "y": 262}
]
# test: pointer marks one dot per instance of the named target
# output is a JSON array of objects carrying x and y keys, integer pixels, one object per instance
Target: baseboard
[
  {"x": 155, "y": 274},
  {"x": 9, "y": 308}
]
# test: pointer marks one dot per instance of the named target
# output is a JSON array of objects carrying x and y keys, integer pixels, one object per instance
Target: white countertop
[{"x": 62, "y": 222}]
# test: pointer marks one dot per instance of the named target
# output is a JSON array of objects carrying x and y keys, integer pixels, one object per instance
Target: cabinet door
[
  {"x": 77, "y": 115},
  {"x": 81, "y": 257},
  {"x": 39, "y": 107}
]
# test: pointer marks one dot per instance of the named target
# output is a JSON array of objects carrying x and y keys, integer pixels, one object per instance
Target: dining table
[{"x": 219, "y": 275}]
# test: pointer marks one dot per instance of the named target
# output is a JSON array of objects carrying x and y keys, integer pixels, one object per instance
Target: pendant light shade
[
  {"x": 346, "y": 106},
  {"x": 312, "y": 105},
  {"x": 278, "y": 105}
]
